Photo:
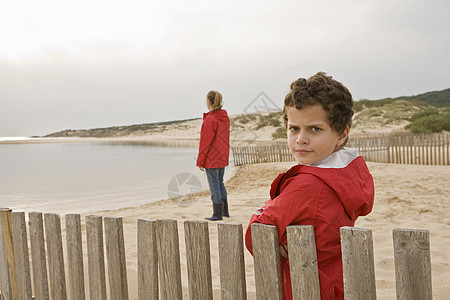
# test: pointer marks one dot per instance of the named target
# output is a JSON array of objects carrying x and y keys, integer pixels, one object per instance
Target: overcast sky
[{"x": 97, "y": 63}]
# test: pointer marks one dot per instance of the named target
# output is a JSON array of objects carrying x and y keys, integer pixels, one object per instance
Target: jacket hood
[
  {"x": 347, "y": 174},
  {"x": 220, "y": 114}
]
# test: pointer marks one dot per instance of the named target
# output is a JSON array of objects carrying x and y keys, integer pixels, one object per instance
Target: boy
[{"x": 331, "y": 185}]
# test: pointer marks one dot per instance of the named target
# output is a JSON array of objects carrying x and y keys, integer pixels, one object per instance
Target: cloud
[{"x": 93, "y": 64}]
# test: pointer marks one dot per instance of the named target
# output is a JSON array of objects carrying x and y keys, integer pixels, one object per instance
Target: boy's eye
[
  {"x": 293, "y": 128},
  {"x": 315, "y": 129}
]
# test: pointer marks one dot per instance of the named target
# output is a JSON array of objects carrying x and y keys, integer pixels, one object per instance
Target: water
[{"x": 85, "y": 177}]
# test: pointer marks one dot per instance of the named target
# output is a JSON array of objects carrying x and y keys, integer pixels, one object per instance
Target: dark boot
[
  {"x": 217, "y": 214},
  {"x": 225, "y": 209}
]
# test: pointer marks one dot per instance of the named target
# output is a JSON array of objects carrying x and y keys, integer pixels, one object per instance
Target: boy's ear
[{"x": 343, "y": 136}]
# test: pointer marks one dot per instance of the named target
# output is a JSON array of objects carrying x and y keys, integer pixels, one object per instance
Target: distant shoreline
[
  {"x": 38, "y": 140},
  {"x": 187, "y": 140}
]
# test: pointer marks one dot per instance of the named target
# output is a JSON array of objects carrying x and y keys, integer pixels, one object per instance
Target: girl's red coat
[
  {"x": 327, "y": 198},
  {"x": 214, "y": 148}
]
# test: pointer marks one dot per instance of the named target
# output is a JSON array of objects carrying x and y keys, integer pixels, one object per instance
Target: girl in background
[{"x": 214, "y": 151}]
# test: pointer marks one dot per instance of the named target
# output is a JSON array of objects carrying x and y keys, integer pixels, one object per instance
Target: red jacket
[
  {"x": 214, "y": 148},
  {"x": 327, "y": 198}
]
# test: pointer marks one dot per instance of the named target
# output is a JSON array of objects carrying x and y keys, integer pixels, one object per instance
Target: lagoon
[{"x": 83, "y": 177}]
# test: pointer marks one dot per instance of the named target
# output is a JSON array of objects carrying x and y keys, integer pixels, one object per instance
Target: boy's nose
[{"x": 302, "y": 139}]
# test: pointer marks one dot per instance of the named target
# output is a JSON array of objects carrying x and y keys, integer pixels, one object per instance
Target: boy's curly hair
[{"x": 334, "y": 97}]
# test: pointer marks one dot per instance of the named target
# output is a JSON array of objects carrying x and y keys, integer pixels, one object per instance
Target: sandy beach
[{"x": 407, "y": 196}]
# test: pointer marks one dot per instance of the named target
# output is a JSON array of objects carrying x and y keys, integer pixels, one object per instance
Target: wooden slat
[
  {"x": 266, "y": 257},
  {"x": 6, "y": 257},
  {"x": 96, "y": 257},
  {"x": 38, "y": 257},
  {"x": 74, "y": 257},
  {"x": 412, "y": 264},
  {"x": 169, "y": 259},
  {"x": 434, "y": 147},
  {"x": 5, "y": 219},
  {"x": 231, "y": 261},
  {"x": 115, "y": 254},
  {"x": 303, "y": 262},
  {"x": 447, "y": 143},
  {"x": 389, "y": 149},
  {"x": 358, "y": 263},
  {"x": 439, "y": 162},
  {"x": 198, "y": 259},
  {"x": 55, "y": 256},
  {"x": 21, "y": 255},
  {"x": 147, "y": 260}
]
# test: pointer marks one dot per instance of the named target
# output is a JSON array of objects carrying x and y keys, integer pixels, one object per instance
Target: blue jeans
[{"x": 216, "y": 186}]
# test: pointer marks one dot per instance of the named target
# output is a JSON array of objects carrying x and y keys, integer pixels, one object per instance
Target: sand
[{"x": 407, "y": 196}]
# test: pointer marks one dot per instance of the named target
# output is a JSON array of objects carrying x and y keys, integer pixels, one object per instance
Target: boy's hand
[{"x": 283, "y": 251}]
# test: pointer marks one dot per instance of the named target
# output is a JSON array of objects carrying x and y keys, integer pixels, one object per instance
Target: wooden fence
[
  {"x": 432, "y": 149},
  {"x": 276, "y": 152},
  {"x": 418, "y": 149},
  {"x": 159, "y": 275}
]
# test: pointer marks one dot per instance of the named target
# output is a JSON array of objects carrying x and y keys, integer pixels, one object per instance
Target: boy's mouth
[{"x": 302, "y": 151}]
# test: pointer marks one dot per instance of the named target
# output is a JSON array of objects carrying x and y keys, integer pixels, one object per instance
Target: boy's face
[{"x": 310, "y": 136}]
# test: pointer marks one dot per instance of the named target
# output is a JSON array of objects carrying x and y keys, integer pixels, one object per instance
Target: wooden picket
[
  {"x": 169, "y": 259},
  {"x": 303, "y": 262},
  {"x": 158, "y": 247},
  {"x": 198, "y": 259},
  {"x": 147, "y": 260},
  {"x": 358, "y": 268},
  {"x": 21, "y": 256},
  {"x": 115, "y": 253},
  {"x": 57, "y": 277},
  {"x": 412, "y": 264},
  {"x": 231, "y": 249},
  {"x": 7, "y": 262},
  {"x": 266, "y": 256},
  {"x": 38, "y": 256},
  {"x": 74, "y": 257},
  {"x": 96, "y": 257}
]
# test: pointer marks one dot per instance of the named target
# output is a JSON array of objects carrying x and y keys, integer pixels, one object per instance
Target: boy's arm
[{"x": 297, "y": 204}]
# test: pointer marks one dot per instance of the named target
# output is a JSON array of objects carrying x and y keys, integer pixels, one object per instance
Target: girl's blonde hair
[{"x": 215, "y": 99}]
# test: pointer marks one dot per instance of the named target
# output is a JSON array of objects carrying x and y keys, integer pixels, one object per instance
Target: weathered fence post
[
  {"x": 169, "y": 259},
  {"x": 266, "y": 257},
  {"x": 7, "y": 263},
  {"x": 96, "y": 257},
  {"x": 358, "y": 263},
  {"x": 231, "y": 261},
  {"x": 5, "y": 286},
  {"x": 147, "y": 260},
  {"x": 303, "y": 262},
  {"x": 115, "y": 254},
  {"x": 55, "y": 256},
  {"x": 198, "y": 259},
  {"x": 74, "y": 257},
  {"x": 22, "y": 259},
  {"x": 412, "y": 264},
  {"x": 38, "y": 257}
]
